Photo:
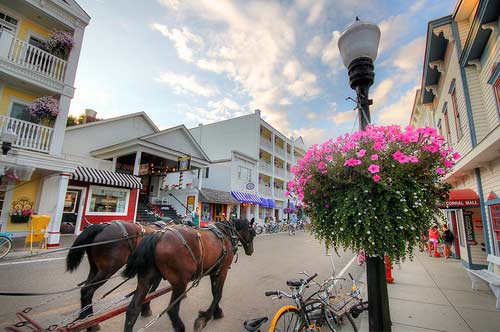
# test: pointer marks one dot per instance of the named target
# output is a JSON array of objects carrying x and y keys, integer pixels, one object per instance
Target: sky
[{"x": 201, "y": 61}]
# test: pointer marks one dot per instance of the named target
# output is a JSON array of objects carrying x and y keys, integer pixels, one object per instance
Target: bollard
[{"x": 388, "y": 270}]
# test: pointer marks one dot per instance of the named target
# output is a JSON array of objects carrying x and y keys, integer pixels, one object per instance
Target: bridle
[{"x": 234, "y": 235}]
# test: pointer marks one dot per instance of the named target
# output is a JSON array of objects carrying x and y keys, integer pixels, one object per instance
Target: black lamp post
[{"x": 358, "y": 47}]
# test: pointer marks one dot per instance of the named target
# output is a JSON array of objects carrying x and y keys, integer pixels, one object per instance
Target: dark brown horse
[
  {"x": 182, "y": 254},
  {"x": 106, "y": 259}
]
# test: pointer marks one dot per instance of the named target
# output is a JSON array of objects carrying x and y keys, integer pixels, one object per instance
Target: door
[
  {"x": 454, "y": 229},
  {"x": 70, "y": 211}
]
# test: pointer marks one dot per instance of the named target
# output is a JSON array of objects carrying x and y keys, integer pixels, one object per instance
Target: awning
[
  {"x": 267, "y": 202},
  {"x": 460, "y": 198},
  {"x": 246, "y": 197},
  {"x": 216, "y": 196},
  {"x": 99, "y": 176}
]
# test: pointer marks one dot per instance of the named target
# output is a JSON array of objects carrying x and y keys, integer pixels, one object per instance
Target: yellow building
[
  {"x": 34, "y": 176},
  {"x": 460, "y": 97}
]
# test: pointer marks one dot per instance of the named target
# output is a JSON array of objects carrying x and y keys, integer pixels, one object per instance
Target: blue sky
[{"x": 200, "y": 61}]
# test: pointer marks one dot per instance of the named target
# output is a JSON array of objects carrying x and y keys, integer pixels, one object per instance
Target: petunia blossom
[
  {"x": 441, "y": 171},
  {"x": 361, "y": 153},
  {"x": 374, "y": 168},
  {"x": 374, "y": 157},
  {"x": 376, "y": 178},
  {"x": 352, "y": 162}
]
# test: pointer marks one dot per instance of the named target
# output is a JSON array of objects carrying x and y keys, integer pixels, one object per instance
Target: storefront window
[
  {"x": 108, "y": 201},
  {"x": 495, "y": 225}
]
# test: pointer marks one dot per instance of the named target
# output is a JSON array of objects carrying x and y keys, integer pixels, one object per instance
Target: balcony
[
  {"x": 20, "y": 59},
  {"x": 279, "y": 151},
  {"x": 265, "y": 167},
  {"x": 279, "y": 193},
  {"x": 30, "y": 136},
  {"x": 266, "y": 143},
  {"x": 265, "y": 190},
  {"x": 280, "y": 172}
]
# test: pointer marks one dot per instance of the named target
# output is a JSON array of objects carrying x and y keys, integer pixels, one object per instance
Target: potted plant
[
  {"x": 44, "y": 109},
  {"x": 59, "y": 43},
  {"x": 19, "y": 216},
  {"x": 375, "y": 190}
]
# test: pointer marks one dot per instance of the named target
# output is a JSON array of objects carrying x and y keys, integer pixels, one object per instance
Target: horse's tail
[
  {"x": 75, "y": 256},
  {"x": 143, "y": 256}
]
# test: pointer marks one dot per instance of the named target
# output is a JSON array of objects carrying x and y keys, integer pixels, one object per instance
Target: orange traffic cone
[{"x": 388, "y": 270}]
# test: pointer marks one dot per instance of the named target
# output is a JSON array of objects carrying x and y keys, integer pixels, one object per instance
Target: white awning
[{"x": 95, "y": 175}]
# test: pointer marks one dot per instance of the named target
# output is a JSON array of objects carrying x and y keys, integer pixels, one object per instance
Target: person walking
[
  {"x": 448, "y": 239},
  {"x": 432, "y": 243},
  {"x": 293, "y": 225}
]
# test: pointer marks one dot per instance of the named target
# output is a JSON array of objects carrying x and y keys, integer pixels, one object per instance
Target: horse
[
  {"x": 106, "y": 259},
  {"x": 182, "y": 254}
]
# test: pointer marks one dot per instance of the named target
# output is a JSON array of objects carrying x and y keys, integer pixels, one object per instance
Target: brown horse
[
  {"x": 181, "y": 254},
  {"x": 106, "y": 259}
]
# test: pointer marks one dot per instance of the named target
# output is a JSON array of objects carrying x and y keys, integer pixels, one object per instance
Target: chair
[{"x": 38, "y": 231}]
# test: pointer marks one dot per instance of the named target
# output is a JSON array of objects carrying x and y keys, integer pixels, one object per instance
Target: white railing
[
  {"x": 263, "y": 166},
  {"x": 266, "y": 143},
  {"x": 28, "y": 56},
  {"x": 279, "y": 193},
  {"x": 279, "y": 172},
  {"x": 279, "y": 151},
  {"x": 30, "y": 135},
  {"x": 265, "y": 190}
]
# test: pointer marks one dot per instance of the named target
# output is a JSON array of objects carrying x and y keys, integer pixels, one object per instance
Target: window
[
  {"x": 244, "y": 173},
  {"x": 20, "y": 111},
  {"x": 496, "y": 88},
  {"x": 8, "y": 23},
  {"x": 206, "y": 172},
  {"x": 440, "y": 128},
  {"x": 37, "y": 42},
  {"x": 458, "y": 122},
  {"x": 495, "y": 225},
  {"x": 108, "y": 201},
  {"x": 447, "y": 126}
]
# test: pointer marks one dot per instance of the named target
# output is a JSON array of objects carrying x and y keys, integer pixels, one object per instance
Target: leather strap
[{"x": 125, "y": 234}]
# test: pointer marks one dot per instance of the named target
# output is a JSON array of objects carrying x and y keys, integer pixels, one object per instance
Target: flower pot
[{"x": 22, "y": 219}]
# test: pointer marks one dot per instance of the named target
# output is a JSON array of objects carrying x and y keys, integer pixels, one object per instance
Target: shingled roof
[{"x": 216, "y": 196}]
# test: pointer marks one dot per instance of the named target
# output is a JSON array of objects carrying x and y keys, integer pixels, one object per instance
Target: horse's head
[{"x": 246, "y": 233}]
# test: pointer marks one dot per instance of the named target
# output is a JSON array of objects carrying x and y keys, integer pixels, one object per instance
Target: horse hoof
[
  {"x": 146, "y": 313},
  {"x": 94, "y": 328},
  {"x": 199, "y": 324},
  {"x": 204, "y": 314},
  {"x": 218, "y": 314}
]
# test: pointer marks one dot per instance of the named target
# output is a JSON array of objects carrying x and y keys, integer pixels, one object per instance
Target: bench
[{"x": 488, "y": 276}]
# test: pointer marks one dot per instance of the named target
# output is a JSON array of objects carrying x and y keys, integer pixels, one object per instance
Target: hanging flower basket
[
  {"x": 59, "y": 43},
  {"x": 375, "y": 190},
  {"x": 44, "y": 108}
]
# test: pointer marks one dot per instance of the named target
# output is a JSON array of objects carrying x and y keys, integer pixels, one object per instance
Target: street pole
[{"x": 358, "y": 46}]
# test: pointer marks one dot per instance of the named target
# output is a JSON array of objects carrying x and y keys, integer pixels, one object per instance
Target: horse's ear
[{"x": 251, "y": 223}]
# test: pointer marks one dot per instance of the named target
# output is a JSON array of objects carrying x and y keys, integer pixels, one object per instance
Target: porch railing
[
  {"x": 28, "y": 56},
  {"x": 30, "y": 135}
]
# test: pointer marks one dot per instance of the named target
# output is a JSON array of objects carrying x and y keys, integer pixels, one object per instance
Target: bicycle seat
[
  {"x": 254, "y": 325},
  {"x": 294, "y": 282}
]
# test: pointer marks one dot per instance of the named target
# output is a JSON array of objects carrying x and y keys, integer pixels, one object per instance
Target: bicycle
[
  {"x": 291, "y": 229},
  {"x": 5, "y": 243},
  {"x": 253, "y": 325}
]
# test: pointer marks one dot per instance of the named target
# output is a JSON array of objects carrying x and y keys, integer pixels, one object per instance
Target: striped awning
[
  {"x": 267, "y": 202},
  {"x": 99, "y": 176},
  {"x": 246, "y": 197}
]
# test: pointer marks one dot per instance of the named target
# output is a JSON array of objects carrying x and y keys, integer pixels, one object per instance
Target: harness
[{"x": 125, "y": 233}]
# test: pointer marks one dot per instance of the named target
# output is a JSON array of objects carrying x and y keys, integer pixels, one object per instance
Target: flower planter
[{"x": 19, "y": 219}]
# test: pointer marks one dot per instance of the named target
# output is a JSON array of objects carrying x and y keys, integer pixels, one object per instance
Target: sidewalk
[
  {"x": 434, "y": 294},
  {"x": 19, "y": 250}
]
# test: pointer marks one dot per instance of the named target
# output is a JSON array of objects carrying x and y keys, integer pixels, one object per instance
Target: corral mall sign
[{"x": 462, "y": 203}]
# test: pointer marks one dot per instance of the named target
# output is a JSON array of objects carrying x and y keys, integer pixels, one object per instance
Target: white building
[
  {"x": 34, "y": 176},
  {"x": 258, "y": 159}
]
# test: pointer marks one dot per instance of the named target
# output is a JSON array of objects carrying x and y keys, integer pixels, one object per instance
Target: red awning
[{"x": 460, "y": 198}]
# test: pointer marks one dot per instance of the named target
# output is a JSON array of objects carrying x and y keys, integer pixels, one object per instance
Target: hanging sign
[
  {"x": 184, "y": 163},
  {"x": 469, "y": 229}
]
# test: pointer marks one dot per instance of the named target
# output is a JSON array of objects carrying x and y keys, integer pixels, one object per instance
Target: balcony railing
[
  {"x": 266, "y": 143},
  {"x": 279, "y": 172},
  {"x": 33, "y": 58},
  {"x": 280, "y": 193},
  {"x": 30, "y": 135},
  {"x": 279, "y": 151},
  {"x": 263, "y": 166},
  {"x": 265, "y": 190}
]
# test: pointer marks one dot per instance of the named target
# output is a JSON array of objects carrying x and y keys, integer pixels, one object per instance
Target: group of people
[{"x": 434, "y": 234}]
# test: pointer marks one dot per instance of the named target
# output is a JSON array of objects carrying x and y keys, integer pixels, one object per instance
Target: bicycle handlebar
[
  {"x": 350, "y": 276},
  {"x": 308, "y": 280},
  {"x": 272, "y": 293}
]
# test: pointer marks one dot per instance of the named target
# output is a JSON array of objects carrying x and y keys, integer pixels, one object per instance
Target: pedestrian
[
  {"x": 433, "y": 239},
  {"x": 448, "y": 239}
]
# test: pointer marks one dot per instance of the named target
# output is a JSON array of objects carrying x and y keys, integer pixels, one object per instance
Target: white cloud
[
  {"x": 304, "y": 86},
  {"x": 315, "y": 11},
  {"x": 331, "y": 53},
  {"x": 409, "y": 59},
  {"x": 312, "y": 116},
  {"x": 182, "y": 84},
  {"x": 284, "y": 101},
  {"x": 315, "y": 46},
  {"x": 312, "y": 135},
  {"x": 217, "y": 110},
  {"x": 381, "y": 92},
  {"x": 343, "y": 117},
  {"x": 174, "y": 4},
  {"x": 291, "y": 69},
  {"x": 182, "y": 39},
  {"x": 398, "y": 112}
]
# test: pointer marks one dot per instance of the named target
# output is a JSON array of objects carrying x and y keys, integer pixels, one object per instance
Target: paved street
[{"x": 276, "y": 258}]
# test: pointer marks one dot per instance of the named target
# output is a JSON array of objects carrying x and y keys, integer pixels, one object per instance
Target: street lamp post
[{"x": 358, "y": 47}]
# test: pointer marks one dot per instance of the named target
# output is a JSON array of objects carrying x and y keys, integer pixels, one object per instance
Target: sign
[
  {"x": 469, "y": 228},
  {"x": 184, "y": 163},
  {"x": 495, "y": 217},
  {"x": 250, "y": 186},
  {"x": 462, "y": 203},
  {"x": 190, "y": 204}
]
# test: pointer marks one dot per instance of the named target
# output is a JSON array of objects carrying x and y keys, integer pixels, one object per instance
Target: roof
[
  {"x": 118, "y": 118},
  {"x": 216, "y": 196}
]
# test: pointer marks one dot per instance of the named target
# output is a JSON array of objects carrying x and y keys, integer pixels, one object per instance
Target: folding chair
[{"x": 38, "y": 232}]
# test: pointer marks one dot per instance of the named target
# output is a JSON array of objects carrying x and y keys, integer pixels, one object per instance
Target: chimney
[{"x": 90, "y": 115}]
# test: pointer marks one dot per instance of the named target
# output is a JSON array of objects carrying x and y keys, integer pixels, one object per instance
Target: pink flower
[
  {"x": 374, "y": 168},
  {"x": 374, "y": 157},
  {"x": 399, "y": 156},
  {"x": 361, "y": 153},
  {"x": 448, "y": 163},
  {"x": 413, "y": 159},
  {"x": 329, "y": 157},
  {"x": 321, "y": 165},
  {"x": 456, "y": 155},
  {"x": 352, "y": 162},
  {"x": 378, "y": 146},
  {"x": 376, "y": 178},
  {"x": 441, "y": 171}
]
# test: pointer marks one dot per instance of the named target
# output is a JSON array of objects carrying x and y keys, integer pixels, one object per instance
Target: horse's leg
[
  {"x": 146, "y": 308},
  {"x": 87, "y": 293},
  {"x": 217, "y": 282},
  {"x": 178, "y": 290},
  {"x": 143, "y": 286}
]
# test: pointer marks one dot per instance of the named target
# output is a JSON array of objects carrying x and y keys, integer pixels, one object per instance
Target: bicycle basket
[{"x": 342, "y": 303}]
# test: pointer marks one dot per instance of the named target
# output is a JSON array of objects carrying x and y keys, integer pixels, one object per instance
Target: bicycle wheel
[
  {"x": 336, "y": 324},
  {"x": 287, "y": 319},
  {"x": 5, "y": 246},
  {"x": 258, "y": 230}
]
